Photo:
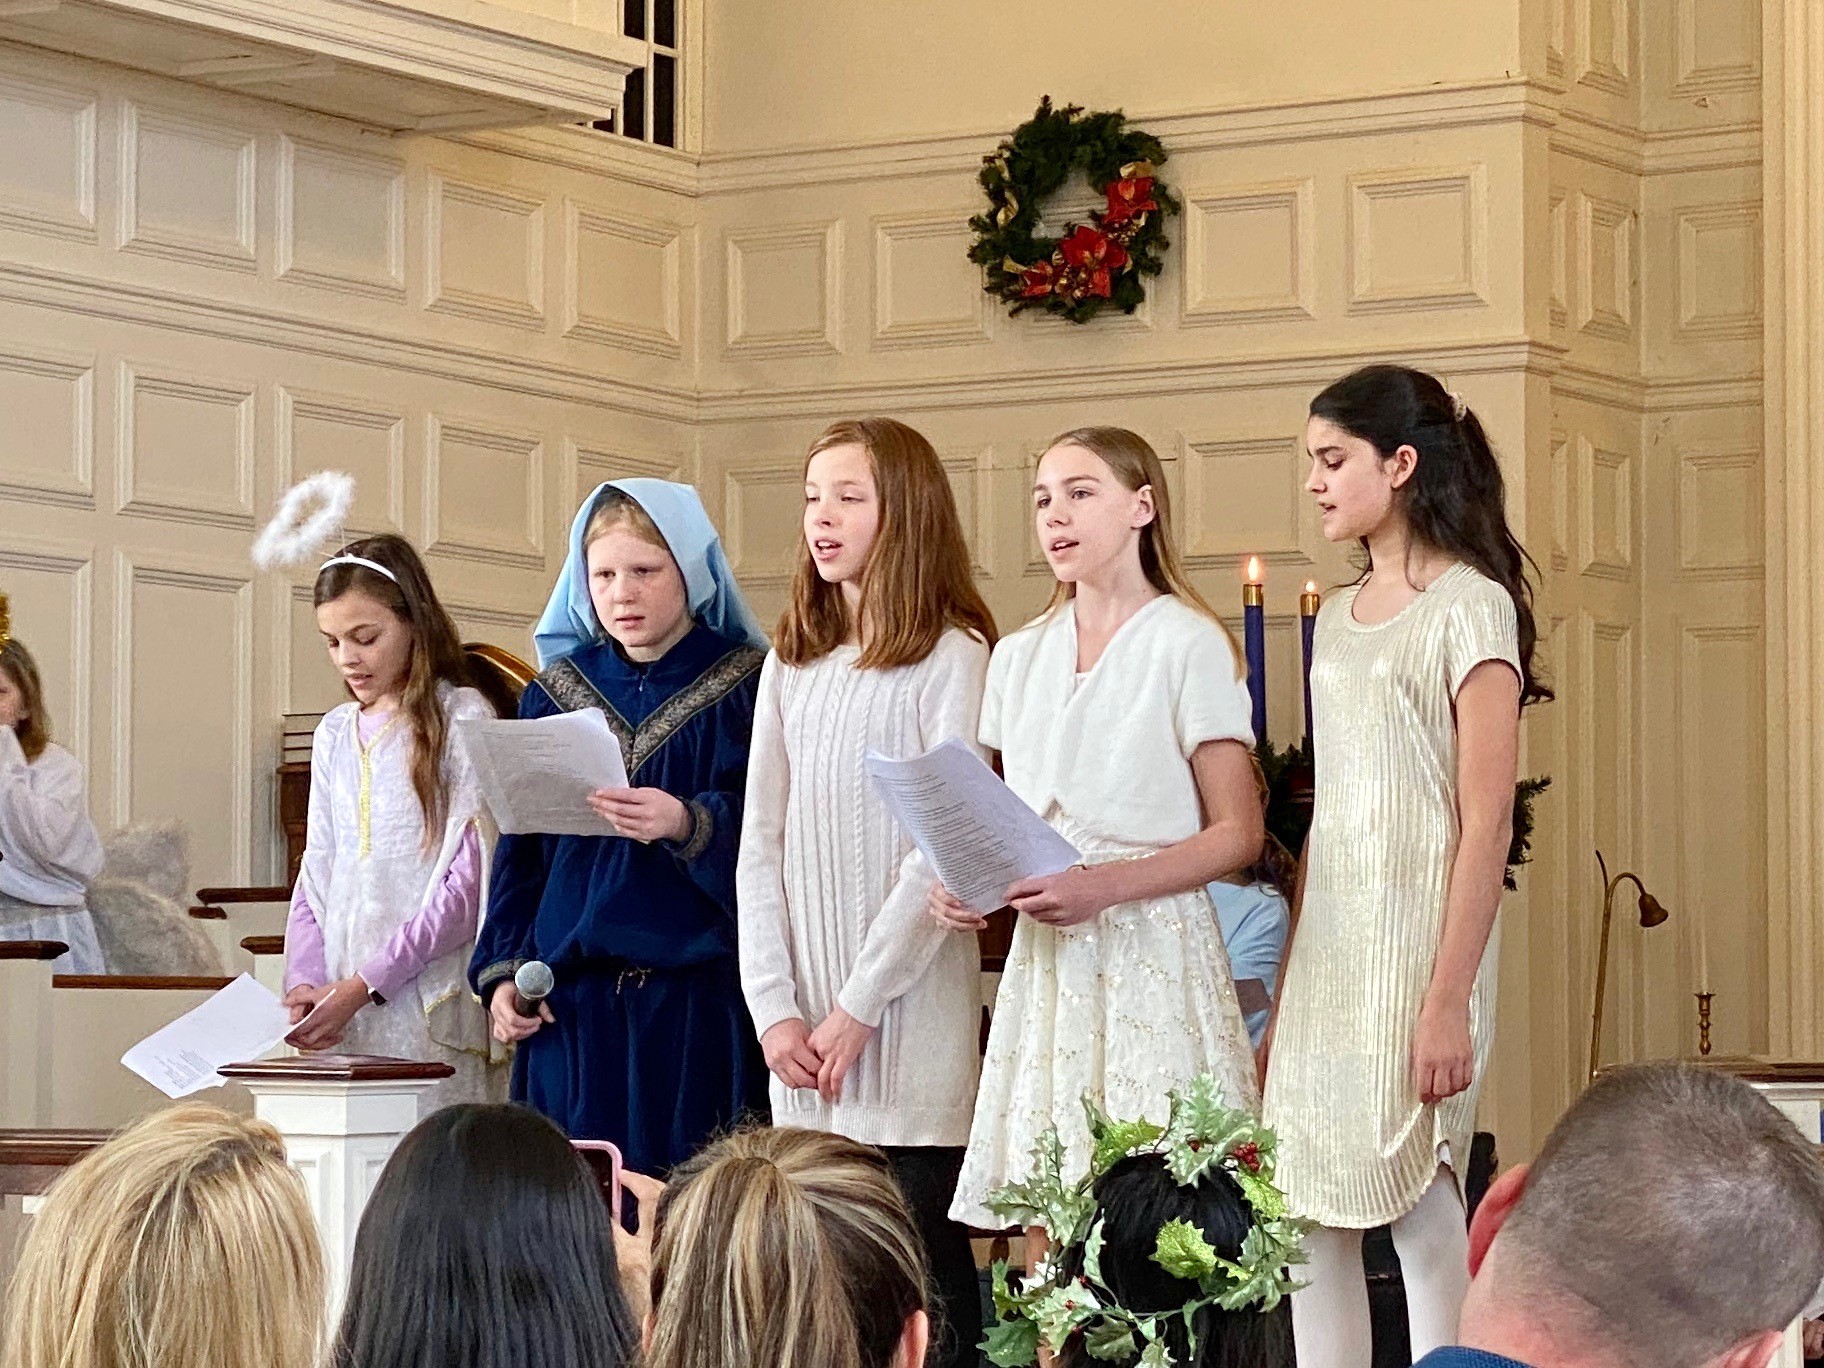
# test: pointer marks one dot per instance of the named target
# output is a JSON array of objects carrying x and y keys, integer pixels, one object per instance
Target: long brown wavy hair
[
  {"x": 917, "y": 581},
  {"x": 34, "y": 732},
  {"x": 1137, "y": 466},
  {"x": 436, "y": 655}
]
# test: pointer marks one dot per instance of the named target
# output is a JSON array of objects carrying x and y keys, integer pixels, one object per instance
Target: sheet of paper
[
  {"x": 241, "y": 1022},
  {"x": 537, "y": 774},
  {"x": 976, "y": 832}
]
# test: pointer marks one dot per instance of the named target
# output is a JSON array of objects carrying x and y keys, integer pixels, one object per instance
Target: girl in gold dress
[{"x": 1386, "y": 1010}]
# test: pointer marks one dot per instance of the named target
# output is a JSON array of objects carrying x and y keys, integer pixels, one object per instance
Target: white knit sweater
[{"x": 832, "y": 893}]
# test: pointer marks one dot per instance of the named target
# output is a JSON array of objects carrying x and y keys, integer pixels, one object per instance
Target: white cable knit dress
[
  {"x": 831, "y": 893},
  {"x": 1138, "y": 1000}
]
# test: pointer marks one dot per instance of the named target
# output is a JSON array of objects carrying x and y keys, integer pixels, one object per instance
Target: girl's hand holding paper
[{"x": 645, "y": 814}]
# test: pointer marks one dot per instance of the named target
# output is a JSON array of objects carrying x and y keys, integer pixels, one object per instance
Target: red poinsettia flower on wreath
[
  {"x": 1090, "y": 260},
  {"x": 1038, "y": 279},
  {"x": 1128, "y": 197}
]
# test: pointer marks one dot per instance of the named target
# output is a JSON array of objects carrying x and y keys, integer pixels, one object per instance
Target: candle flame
[
  {"x": 1310, "y": 586},
  {"x": 1254, "y": 570}
]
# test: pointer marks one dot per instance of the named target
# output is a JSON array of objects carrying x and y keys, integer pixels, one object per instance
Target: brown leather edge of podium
[
  {"x": 32, "y": 950},
  {"x": 263, "y": 945},
  {"x": 31, "y": 1160},
  {"x": 334, "y": 1068},
  {"x": 139, "y": 981}
]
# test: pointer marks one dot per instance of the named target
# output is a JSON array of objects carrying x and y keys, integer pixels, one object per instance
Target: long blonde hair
[
  {"x": 1137, "y": 466},
  {"x": 781, "y": 1248},
  {"x": 185, "y": 1240},
  {"x": 35, "y": 732},
  {"x": 917, "y": 581}
]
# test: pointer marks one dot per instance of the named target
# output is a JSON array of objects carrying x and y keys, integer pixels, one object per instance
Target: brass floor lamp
[{"x": 1652, "y": 913}]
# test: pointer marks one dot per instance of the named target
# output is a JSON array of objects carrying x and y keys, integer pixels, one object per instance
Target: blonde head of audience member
[
  {"x": 184, "y": 1241},
  {"x": 782, "y": 1248}
]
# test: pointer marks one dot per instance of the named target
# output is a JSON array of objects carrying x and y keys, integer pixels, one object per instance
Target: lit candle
[
  {"x": 1308, "y": 603},
  {"x": 1254, "y": 632}
]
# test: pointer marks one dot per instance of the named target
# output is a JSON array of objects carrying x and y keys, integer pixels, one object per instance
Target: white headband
[{"x": 358, "y": 560}]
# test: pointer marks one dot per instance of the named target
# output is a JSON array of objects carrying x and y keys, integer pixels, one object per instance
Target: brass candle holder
[
  {"x": 1703, "y": 1022},
  {"x": 1651, "y": 913}
]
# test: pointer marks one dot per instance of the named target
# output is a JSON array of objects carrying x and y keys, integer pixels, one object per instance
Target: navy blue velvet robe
[{"x": 653, "y": 1047}]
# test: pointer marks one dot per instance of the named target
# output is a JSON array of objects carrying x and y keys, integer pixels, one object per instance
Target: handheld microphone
[{"x": 532, "y": 984}]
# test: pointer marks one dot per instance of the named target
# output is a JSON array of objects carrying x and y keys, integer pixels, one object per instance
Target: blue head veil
[{"x": 569, "y": 622}]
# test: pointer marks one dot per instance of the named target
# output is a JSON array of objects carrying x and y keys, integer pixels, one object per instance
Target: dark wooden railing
[
  {"x": 31, "y": 949},
  {"x": 31, "y": 1160}
]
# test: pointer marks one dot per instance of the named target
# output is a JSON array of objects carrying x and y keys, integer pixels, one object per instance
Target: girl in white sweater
[{"x": 867, "y": 1012}]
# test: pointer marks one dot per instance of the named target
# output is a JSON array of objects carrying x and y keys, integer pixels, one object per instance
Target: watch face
[{"x": 375, "y": 998}]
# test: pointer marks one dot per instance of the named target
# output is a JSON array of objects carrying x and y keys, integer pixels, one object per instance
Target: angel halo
[{"x": 309, "y": 516}]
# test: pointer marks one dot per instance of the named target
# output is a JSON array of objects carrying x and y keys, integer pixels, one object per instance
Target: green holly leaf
[
  {"x": 1156, "y": 1355},
  {"x": 1062, "y": 1311},
  {"x": 1092, "y": 1254},
  {"x": 1012, "y": 1344},
  {"x": 1119, "y": 1139},
  {"x": 1268, "y": 1201},
  {"x": 1004, "y": 1299},
  {"x": 1110, "y": 1339},
  {"x": 1183, "y": 1252}
]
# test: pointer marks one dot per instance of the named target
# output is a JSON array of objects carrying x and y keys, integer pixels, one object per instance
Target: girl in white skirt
[{"x": 1121, "y": 716}]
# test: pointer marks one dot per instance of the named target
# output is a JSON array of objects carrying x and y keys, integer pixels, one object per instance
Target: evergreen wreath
[{"x": 1092, "y": 265}]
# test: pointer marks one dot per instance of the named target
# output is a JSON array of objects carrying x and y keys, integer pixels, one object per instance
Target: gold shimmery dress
[{"x": 1357, "y": 1147}]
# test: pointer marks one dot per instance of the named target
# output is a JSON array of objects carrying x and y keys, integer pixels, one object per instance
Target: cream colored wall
[
  {"x": 1657, "y": 551},
  {"x": 791, "y": 73},
  {"x": 204, "y": 297}
]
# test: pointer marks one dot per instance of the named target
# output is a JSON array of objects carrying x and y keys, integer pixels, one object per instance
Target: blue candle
[
  {"x": 1308, "y": 603},
  {"x": 1254, "y": 635}
]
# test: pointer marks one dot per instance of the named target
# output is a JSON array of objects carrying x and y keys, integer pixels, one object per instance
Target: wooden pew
[
  {"x": 25, "y": 990},
  {"x": 92, "y": 1021},
  {"x": 231, "y": 915}
]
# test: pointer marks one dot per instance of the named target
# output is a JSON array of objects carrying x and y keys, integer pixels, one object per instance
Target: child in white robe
[
  {"x": 389, "y": 893},
  {"x": 49, "y": 849}
]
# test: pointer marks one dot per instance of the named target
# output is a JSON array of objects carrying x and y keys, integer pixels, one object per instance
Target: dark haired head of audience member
[
  {"x": 486, "y": 1244},
  {"x": 780, "y": 1248},
  {"x": 185, "y": 1240},
  {"x": 1136, "y": 1197},
  {"x": 1673, "y": 1219}
]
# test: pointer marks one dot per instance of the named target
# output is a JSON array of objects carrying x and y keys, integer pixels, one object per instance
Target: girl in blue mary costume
[{"x": 645, "y": 1041}]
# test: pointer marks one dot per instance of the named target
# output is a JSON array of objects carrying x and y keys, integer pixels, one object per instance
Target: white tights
[{"x": 1330, "y": 1316}]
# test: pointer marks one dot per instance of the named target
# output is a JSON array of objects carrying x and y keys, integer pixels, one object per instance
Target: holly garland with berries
[
  {"x": 1065, "y": 1296},
  {"x": 1090, "y": 266}
]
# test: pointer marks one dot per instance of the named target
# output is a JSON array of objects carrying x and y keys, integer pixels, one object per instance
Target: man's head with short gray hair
[{"x": 1673, "y": 1219}]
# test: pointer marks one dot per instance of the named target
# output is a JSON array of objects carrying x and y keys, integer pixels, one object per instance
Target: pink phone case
[{"x": 590, "y": 1150}]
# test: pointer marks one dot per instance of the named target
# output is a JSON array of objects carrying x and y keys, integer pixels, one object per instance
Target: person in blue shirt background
[{"x": 1255, "y": 920}]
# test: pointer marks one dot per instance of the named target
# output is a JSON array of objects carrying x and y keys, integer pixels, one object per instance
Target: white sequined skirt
[{"x": 1123, "y": 1008}]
